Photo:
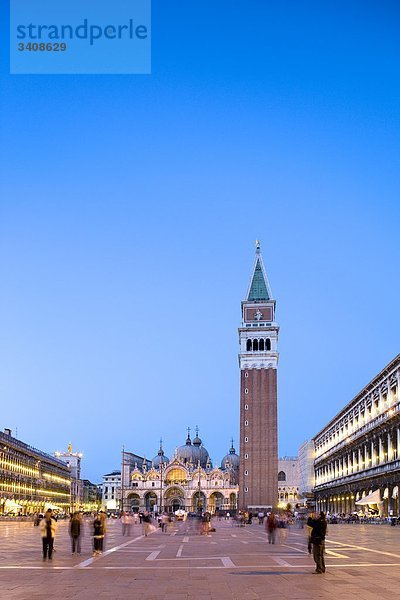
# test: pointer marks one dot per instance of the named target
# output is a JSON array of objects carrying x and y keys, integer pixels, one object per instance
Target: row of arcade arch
[
  {"x": 258, "y": 345},
  {"x": 345, "y": 502},
  {"x": 174, "y": 499}
]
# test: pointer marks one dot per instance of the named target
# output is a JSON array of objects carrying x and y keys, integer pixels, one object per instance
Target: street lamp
[
  {"x": 161, "y": 484},
  {"x": 122, "y": 479},
  {"x": 199, "y": 503}
]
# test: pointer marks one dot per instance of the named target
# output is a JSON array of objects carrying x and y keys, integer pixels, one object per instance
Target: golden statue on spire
[{"x": 69, "y": 448}]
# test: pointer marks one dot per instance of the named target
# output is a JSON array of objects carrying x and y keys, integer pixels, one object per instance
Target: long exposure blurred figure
[
  {"x": 164, "y": 522},
  {"x": 147, "y": 526},
  {"x": 48, "y": 528},
  {"x": 310, "y": 524},
  {"x": 98, "y": 535},
  {"x": 75, "y": 531},
  {"x": 270, "y": 526},
  {"x": 126, "y": 521}
]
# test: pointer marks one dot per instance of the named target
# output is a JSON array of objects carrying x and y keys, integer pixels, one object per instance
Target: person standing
[
  {"x": 310, "y": 523},
  {"x": 164, "y": 522},
  {"x": 48, "y": 528},
  {"x": 283, "y": 524},
  {"x": 75, "y": 530},
  {"x": 128, "y": 524},
  {"x": 146, "y": 523},
  {"x": 271, "y": 525},
  {"x": 318, "y": 534},
  {"x": 123, "y": 523},
  {"x": 98, "y": 535}
]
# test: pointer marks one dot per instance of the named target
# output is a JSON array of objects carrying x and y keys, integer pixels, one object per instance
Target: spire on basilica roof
[
  {"x": 197, "y": 441},
  {"x": 259, "y": 288},
  {"x": 188, "y": 440},
  {"x": 161, "y": 451}
]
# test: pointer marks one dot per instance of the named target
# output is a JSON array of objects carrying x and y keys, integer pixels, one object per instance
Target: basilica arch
[
  {"x": 150, "y": 500},
  {"x": 216, "y": 502},
  {"x": 174, "y": 499},
  {"x": 133, "y": 502},
  {"x": 199, "y": 502}
]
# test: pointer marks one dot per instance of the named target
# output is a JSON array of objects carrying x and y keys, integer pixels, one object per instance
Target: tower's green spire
[
  {"x": 259, "y": 290},
  {"x": 258, "y": 287}
]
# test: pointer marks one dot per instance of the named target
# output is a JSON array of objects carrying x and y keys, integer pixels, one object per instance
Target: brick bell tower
[{"x": 258, "y": 361}]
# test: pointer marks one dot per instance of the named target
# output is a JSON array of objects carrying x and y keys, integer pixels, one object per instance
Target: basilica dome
[
  {"x": 160, "y": 458},
  {"x": 157, "y": 459},
  {"x": 193, "y": 453},
  {"x": 230, "y": 460}
]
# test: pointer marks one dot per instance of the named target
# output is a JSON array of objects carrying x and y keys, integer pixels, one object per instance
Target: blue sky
[{"x": 129, "y": 209}]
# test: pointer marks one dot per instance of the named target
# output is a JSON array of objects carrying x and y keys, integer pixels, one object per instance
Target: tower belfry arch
[{"x": 258, "y": 361}]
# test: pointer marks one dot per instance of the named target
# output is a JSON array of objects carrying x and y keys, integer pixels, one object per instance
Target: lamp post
[
  {"x": 122, "y": 479},
  {"x": 161, "y": 484},
  {"x": 199, "y": 504}
]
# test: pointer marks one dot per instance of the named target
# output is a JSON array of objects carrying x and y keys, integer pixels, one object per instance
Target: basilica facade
[
  {"x": 186, "y": 482},
  {"x": 189, "y": 481}
]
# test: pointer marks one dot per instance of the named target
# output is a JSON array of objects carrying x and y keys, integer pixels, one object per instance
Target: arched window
[
  {"x": 255, "y": 345},
  {"x": 248, "y": 347},
  {"x": 281, "y": 476},
  {"x": 261, "y": 346},
  {"x": 268, "y": 344}
]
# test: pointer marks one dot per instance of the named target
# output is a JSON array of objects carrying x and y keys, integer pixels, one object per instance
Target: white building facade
[
  {"x": 288, "y": 481},
  {"x": 306, "y": 471},
  {"x": 358, "y": 453},
  {"x": 111, "y": 491}
]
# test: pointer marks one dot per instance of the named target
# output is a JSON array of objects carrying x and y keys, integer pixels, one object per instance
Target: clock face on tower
[{"x": 258, "y": 313}]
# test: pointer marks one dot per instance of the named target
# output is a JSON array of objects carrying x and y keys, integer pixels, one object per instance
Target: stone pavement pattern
[{"x": 363, "y": 561}]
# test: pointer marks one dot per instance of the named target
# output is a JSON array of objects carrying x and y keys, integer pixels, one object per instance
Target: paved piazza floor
[{"x": 363, "y": 561}]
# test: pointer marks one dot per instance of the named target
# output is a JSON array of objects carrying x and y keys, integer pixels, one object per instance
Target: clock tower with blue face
[{"x": 258, "y": 361}]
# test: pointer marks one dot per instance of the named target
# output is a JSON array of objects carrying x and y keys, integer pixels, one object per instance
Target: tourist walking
[
  {"x": 318, "y": 534},
  {"x": 48, "y": 528},
  {"x": 75, "y": 531},
  {"x": 98, "y": 535},
  {"x": 146, "y": 519},
  {"x": 126, "y": 521},
  {"x": 205, "y": 520},
  {"x": 164, "y": 522},
  {"x": 270, "y": 526},
  {"x": 283, "y": 525}
]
